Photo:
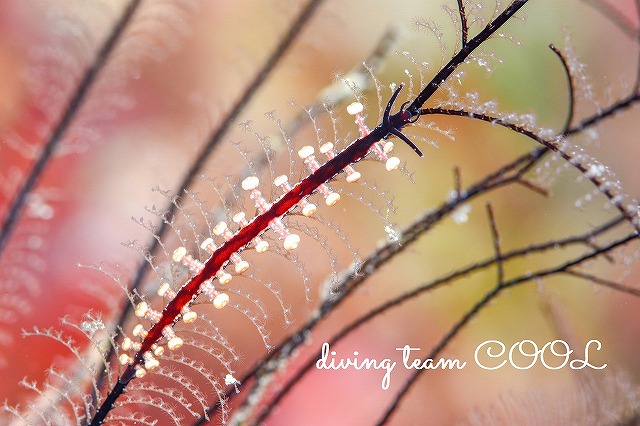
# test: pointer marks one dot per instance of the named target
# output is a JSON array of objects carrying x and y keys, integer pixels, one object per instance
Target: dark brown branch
[
  {"x": 464, "y": 26},
  {"x": 496, "y": 245},
  {"x": 605, "y": 283},
  {"x": 567, "y": 73},
  {"x": 630, "y": 212},
  {"x": 463, "y": 54}
]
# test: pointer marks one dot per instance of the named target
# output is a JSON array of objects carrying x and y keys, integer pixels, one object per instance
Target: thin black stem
[
  {"x": 630, "y": 211},
  {"x": 567, "y": 72},
  {"x": 14, "y": 212},
  {"x": 464, "y": 26},
  {"x": 463, "y": 54},
  {"x": 604, "y": 283},
  {"x": 496, "y": 244},
  {"x": 453, "y": 331},
  {"x": 611, "y": 110}
]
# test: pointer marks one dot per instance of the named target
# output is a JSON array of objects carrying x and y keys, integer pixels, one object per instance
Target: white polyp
[
  {"x": 124, "y": 359},
  {"x": 151, "y": 364},
  {"x": 280, "y": 180},
  {"x": 174, "y": 343},
  {"x": 220, "y": 228},
  {"x": 324, "y": 190},
  {"x": 596, "y": 170},
  {"x": 278, "y": 227},
  {"x": 221, "y": 300},
  {"x": 332, "y": 198},
  {"x": 291, "y": 241},
  {"x": 392, "y": 163},
  {"x": 165, "y": 290},
  {"x": 224, "y": 277},
  {"x": 262, "y": 246},
  {"x": 179, "y": 254},
  {"x": 139, "y": 330},
  {"x": 353, "y": 177},
  {"x": 309, "y": 209},
  {"x": 158, "y": 350},
  {"x": 230, "y": 380},
  {"x": 141, "y": 309},
  {"x": 242, "y": 266},
  {"x": 126, "y": 344},
  {"x": 207, "y": 288},
  {"x": 378, "y": 150},
  {"x": 208, "y": 245},
  {"x": 189, "y": 317},
  {"x": 306, "y": 151},
  {"x": 388, "y": 147},
  {"x": 327, "y": 149},
  {"x": 239, "y": 218},
  {"x": 140, "y": 372},
  {"x": 250, "y": 183},
  {"x": 355, "y": 108},
  {"x": 194, "y": 265}
]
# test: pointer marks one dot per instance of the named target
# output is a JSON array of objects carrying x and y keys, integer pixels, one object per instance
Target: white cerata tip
[
  {"x": 250, "y": 183},
  {"x": 355, "y": 108}
]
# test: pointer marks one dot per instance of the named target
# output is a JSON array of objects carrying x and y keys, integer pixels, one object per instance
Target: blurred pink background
[{"x": 169, "y": 84}]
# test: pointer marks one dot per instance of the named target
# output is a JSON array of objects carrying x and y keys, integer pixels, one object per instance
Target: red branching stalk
[{"x": 391, "y": 125}]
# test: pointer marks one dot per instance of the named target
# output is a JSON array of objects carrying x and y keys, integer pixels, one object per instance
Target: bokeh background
[{"x": 169, "y": 84}]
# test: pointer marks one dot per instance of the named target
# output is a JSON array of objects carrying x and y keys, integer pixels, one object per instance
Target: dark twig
[
  {"x": 463, "y": 23},
  {"x": 567, "y": 72},
  {"x": 463, "y": 54},
  {"x": 630, "y": 212},
  {"x": 605, "y": 283},
  {"x": 496, "y": 245},
  {"x": 604, "y": 113},
  {"x": 457, "y": 180}
]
